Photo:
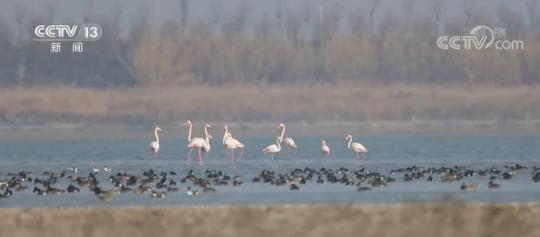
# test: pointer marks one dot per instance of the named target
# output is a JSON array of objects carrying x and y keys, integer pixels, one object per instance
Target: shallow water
[{"x": 386, "y": 152}]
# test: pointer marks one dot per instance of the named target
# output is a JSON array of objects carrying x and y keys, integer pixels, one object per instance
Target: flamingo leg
[
  {"x": 232, "y": 155},
  {"x": 357, "y": 156},
  {"x": 155, "y": 155},
  {"x": 189, "y": 154},
  {"x": 200, "y": 156}
]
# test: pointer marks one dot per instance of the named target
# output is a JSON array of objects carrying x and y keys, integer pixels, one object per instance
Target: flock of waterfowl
[
  {"x": 105, "y": 184},
  {"x": 203, "y": 144}
]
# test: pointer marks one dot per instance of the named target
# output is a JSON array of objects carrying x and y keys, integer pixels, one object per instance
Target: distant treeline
[{"x": 307, "y": 46}]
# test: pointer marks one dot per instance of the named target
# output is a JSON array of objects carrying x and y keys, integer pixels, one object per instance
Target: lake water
[{"x": 386, "y": 152}]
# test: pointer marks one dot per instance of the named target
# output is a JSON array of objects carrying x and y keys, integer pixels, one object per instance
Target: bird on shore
[
  {"x": 363, "y": 188},
  {"x": 355, "y": 147},
  {"x": 156, "y": 194},
  {"x": 207, "y": 138},
  {"x": 7, "y": 193},
  {"x": 469, "y": 187},
  {"x": 191, "y": 192},
  {"x": 95, "y": 169},
  {"x": 231, "y": 144},
  {"x": 154, "y": 145},
  {"x": 493, "y": 185},
  {"x": 274, "y": 148},
  {"x": 72, "y": 189},
  {"x": 289, "y": 142},
  {"x": 325, "y": 150},
  {"x": 195, "y": 142},
  {"x": 102, "y": 194}
]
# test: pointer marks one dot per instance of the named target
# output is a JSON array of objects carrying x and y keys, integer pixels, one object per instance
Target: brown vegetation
[
  {"x": 364, "y": 102},
  {"x": 418, "y": 220}
]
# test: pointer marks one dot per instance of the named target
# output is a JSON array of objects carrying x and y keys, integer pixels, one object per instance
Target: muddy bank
[{"x": 418, "y": 220}]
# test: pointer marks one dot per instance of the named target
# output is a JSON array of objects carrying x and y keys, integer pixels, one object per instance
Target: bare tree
[
  {"x": 373, "y": 5},
  {"x": 279, "y": 11},
  {"x": 215, "y": 12},
  {"x": 512, "y": 21},
  {"x": 307, "y": 12},
  {"x": 438, "y": 10},
  {"x": 20, "y": 14},
  {"x": 292, "y": 26},
  {"x": 184, "y": 10},
  {"x": 89, "y": 9},
  {"x": 358, "y": 24},
  {"x": 532, "y": 7},
  {"x": 468, "y": 9},
  {"x": 408, "y": 7}
]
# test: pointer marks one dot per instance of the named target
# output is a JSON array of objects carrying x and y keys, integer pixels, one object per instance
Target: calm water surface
[{"x": 386, "y": 152}]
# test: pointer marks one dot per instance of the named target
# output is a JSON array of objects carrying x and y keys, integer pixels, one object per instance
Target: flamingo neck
[
  {"x": 225, "y": 134},
  {"x": 157, "y": 137},
  {"x": 350, "y": 141},
  {"x": 189, "y": 133},
  {"x": 278, "y": 144},
  {"x": 206, "y": 136},
  {"x": 282, "y": 132}
]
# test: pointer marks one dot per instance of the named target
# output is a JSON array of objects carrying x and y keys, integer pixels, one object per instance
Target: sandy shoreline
[{"x": 414, "y": 219}]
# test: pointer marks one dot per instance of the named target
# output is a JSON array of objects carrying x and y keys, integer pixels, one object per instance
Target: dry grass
[
  {"x": 417, "y": 220},
  {"x": 258, "y": 104}
]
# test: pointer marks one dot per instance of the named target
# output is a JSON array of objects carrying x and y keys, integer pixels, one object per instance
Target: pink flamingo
[
  {"x": 355, "y": 147},
  {"x": 325, "y": 149},
  {"x": 154, "y": 145},
  {"x": 231, "y": 144},
  {"x": 207, "y": 138},
  {"x": 274, "y": 148},
  {"x": 195, "y": 142},
  {"x": 289, "y": 142}
]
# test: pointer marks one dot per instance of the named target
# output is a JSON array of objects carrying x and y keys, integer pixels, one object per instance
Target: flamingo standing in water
[
  {"x": 289, "y": 142},
  {"x": 231, "y": 144},
  {"x": 207, "y": 138},
  {"x": 154, "y": 145},
  {"x": 195, "y": 142},
  {"x": 355, "y": 147},
  {"x": 274, "y": 148},
  {"x": 325, "y": 149}
]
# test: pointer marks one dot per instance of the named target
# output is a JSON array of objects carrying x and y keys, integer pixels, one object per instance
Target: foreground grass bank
[{"x": 418, "y": 220}]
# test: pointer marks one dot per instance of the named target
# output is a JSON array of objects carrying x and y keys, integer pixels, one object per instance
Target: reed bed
[{"x": 397, "y": 102}]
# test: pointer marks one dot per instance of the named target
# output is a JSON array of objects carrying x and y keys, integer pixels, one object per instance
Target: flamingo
[
  {"x": 231, "y": 143},
  {"x": 274, "y": 148},
  {"x": 289, "y": 142},
  {"x": 154, "y": 145},
  {"x": 207, "y": 138},
  {"x": 355, "y": 147},
  {"x": 196, "y": 142},
  {"x": 325, "y": 149}
]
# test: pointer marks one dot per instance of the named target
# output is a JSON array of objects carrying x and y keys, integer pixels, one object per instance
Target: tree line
[{"x": 312, "y": 45}]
